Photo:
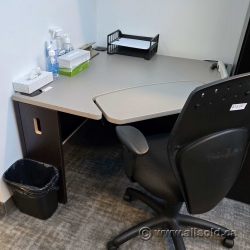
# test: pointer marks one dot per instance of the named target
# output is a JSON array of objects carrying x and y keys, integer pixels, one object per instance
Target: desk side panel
[
  {"x": 45, "y": 146},
  {"x": 241, "y": 188},
  {"x": 20, "y": 128}
]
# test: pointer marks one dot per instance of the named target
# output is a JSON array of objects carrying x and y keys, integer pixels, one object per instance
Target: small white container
[
  {"x": 29, "y": 86},
  {"x": 73, "y": 58}
]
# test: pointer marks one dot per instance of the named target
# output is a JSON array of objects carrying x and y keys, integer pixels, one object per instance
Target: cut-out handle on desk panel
[{"x": 37, "y": 126}]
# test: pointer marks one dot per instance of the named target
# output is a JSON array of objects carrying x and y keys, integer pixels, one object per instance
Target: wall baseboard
[{"x": 7, "y": 207}]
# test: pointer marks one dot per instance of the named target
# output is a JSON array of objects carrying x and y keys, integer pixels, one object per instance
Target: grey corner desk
[{"x": 123, "y": 89}]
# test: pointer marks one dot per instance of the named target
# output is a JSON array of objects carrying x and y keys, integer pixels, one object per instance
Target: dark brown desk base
[
  {"x": 56, "y": 126},
  {"x": 46, "y": 147},
  {"x": 241, "y": 188}
]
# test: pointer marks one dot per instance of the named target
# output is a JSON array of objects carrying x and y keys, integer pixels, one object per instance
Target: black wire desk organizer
[{"x": 130, "y": 45}]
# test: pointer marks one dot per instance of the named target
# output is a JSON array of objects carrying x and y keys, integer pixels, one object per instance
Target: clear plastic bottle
[
  {"x": 67, "y": 45},
  {"x": 56, "y": 39},
  {"x": 52, "y": 63},
  {"x": 59, "y": 43}
]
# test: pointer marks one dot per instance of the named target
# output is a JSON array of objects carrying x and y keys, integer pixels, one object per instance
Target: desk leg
[
  {"x": 40, "y": 135},
  {"x": 241, "y": 188}
]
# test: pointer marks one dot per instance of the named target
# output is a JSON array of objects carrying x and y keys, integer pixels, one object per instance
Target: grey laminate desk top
[
  {"x": 109, "y": 73},
  {"x": 145, "y": 102}
]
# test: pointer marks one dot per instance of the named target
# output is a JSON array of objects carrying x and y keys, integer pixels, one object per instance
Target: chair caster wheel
[
  {"x": 111, "y": 246},
  {"x": 127, "y": 197},
  {"x": 229, "y": 243}
]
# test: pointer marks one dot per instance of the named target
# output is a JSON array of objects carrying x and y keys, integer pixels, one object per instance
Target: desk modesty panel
[
  {"x": 110, "y": 73},
  {"x": 145, "y": 102}
]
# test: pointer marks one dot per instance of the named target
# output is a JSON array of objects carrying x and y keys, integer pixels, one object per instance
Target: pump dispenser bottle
[
  {"x": 67, "y": 45},
  {"x": 56, "y": 40},
  {"x": 59, "y": 43},
  {"x": 52, "y": 63}
]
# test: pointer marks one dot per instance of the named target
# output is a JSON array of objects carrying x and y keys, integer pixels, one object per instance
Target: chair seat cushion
[{"x": 154, "y": 173}]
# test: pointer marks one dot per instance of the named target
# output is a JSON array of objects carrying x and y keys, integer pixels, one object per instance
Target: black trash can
[{"x": 34, "y": 187}]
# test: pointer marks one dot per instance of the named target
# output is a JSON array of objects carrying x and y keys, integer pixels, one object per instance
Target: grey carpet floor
[{"x": 95, "y": 211}]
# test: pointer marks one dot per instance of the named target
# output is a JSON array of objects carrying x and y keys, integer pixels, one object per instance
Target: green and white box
[
  {"x": 75, "y": 70},
  {"x": 73, "y": 58}
]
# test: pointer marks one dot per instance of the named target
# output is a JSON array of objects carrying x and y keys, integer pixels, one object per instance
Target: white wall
[
  {"x": 199, "y": 29},
  {"x": 24, "y": 29}
]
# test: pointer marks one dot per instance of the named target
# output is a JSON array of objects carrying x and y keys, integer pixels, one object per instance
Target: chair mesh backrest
[{"x": 207, "y": 112}]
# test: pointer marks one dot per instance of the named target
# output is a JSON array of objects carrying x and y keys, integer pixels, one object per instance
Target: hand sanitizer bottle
[
  {"x": 67, "y": 46},
  {"x": 52, "y": 63},
  {"x": 59, "y": 43},
  {"x": 56, "y": 40}
]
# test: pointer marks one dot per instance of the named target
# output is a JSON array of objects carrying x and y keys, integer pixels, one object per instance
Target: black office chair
[{"x": 197, "y": 163}]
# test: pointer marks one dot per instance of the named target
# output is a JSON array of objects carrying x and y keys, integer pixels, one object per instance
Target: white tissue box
[
  {"x": 29, "y": 86},
  {"x": 73, "y": 58}
]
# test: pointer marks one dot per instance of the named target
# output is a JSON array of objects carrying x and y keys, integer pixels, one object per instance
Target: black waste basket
[{"x": 33, "y": 186}]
